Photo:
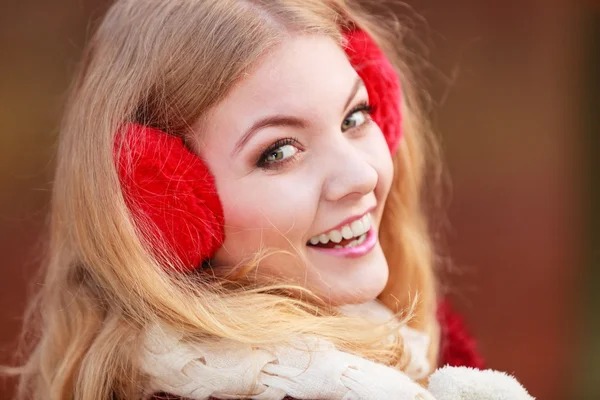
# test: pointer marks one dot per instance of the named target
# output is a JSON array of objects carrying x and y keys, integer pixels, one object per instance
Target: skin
[{"x": 336, "y": 166}]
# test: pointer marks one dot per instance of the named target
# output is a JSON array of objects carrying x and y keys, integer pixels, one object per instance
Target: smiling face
[{"x": 299, "y": 166}]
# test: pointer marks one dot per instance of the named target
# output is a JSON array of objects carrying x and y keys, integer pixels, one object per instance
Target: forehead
[{"x": 296, "y": 75}]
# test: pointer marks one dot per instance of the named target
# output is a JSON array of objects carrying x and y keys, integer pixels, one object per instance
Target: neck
[{"x": 373, "y": 309}]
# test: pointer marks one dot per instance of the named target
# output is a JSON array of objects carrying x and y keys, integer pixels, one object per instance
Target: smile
[{"x": 353, "y": 239}]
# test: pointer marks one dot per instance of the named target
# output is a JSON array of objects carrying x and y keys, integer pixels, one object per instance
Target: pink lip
[{"x": 352, "y": 252}]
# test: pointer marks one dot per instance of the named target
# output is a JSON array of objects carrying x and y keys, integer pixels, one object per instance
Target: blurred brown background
[{"x": 519, "y": 124}]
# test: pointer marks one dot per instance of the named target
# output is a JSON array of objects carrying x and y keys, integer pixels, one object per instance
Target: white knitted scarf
[{"x": 310, "y": 369}]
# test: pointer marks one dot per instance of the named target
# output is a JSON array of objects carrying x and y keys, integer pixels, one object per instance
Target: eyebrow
[{"x": 289, "y": 121}]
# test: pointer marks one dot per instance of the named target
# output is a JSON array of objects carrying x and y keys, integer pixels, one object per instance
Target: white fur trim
[{"x": 463, "y": 383}]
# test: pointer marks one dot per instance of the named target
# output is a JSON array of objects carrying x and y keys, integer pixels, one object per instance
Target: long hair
[{"x": 164, "y": 63}]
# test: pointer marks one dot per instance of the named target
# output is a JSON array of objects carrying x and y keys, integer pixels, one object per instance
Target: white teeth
[
  {"x": 357, "y": 229},
  {"x": 335, "y": 236},
  {"x": 357, "y": 242},
  {"x": 347, "y": 232},
  {"x": 337, "y": 246},
  {"x": 351, "y": 244},
  {"x": 366, "y": 220}
]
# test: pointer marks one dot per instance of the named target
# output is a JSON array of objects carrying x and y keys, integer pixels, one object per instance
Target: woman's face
[{"x": 300, "y": 167}]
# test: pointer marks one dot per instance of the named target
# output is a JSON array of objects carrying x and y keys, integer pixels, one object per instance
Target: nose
[{"x": 350, "y": 173}]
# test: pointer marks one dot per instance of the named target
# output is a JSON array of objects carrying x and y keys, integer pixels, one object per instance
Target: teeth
[
  {"x": 323, "y": 238},
  {"x": 366, "y": 220},
  {"x": 347, "y": 232},
  {"x": 352, "y": 244},
  {"x": 357, "y": 229},
  {"x": 335, "y": 236},
  {"x": 357, "y": 242}
]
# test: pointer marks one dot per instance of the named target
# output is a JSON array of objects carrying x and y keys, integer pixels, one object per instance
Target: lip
[
  {"x": 347, "y": 221},
  {"x": 352, "y": 252}
]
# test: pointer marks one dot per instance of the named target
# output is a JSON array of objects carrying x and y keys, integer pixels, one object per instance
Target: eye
[
  {"x": 357, "y": 116},
  {"x": 281, "y": 153},
  {"x": 278, "y": 153}
]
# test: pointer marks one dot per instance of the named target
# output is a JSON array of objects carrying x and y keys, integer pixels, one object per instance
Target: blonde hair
[{"x": 163, "y": 63}]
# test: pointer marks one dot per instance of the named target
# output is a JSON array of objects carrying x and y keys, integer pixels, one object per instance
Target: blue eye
[{"x": 357, "y": 116}]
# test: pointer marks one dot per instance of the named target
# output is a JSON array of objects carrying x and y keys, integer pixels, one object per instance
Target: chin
[{"x": 361, "y": 281}]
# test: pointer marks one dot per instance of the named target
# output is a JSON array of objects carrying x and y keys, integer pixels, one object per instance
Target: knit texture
[
  {"x": 308, "y": 368},
  {"x": 458, "y": 347}
]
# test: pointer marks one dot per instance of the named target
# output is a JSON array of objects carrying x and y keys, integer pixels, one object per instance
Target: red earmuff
[
  {"x": 381, "y": 81},
  {"x": 171, "y": 188}
]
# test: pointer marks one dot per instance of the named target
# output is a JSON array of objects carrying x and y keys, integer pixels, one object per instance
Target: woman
[{"x": 238, "y": 179}]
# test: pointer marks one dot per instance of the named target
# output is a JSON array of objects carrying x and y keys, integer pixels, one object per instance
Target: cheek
[
  {"x": 386, "y": 173},
  {"x": 264, "y": 212},
  {"x": 381, "y": 160}
]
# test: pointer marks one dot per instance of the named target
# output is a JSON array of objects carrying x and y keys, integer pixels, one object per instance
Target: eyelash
[
  {"x": 262, "y": 161},
  {"x": 364, "y": 107}
]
